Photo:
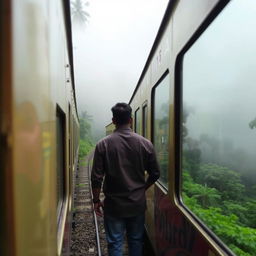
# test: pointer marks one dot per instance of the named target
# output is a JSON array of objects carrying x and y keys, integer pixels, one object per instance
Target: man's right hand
[{"x": 98, "y": 208}]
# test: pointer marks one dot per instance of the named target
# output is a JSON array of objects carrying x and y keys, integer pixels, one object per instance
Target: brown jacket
[{"x": 122, "y": 158}]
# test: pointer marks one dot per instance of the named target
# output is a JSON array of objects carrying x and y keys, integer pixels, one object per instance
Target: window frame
[
  {"x": 178, "y": 95},
  {"x": 136, "y": 115},
  {"x": 145, "y": 119},
  {"x": 153, "y": 90},
  {"x": 61, "y": 208}
]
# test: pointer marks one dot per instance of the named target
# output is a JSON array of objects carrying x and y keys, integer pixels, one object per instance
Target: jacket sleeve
[{"x": 98, "y": 172}]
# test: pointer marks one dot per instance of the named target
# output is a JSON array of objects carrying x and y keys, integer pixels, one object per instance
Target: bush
[
  {"x": 239, "y": 238},
  {"x": 85, "y": 148}
]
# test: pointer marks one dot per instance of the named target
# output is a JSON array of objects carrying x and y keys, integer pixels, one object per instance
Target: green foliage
[
  {"x": 85, "y": 148},
  {"x": 222, "y": 179},
  {"x": 82, "y": 161},
  {"x": 219, "y": 187},
  {"x": 85, "y": 126},
  {"x": 240, "y": 239},
  {"x": 192, "y": 155},
  {"x": 232, "y": 221},
  {"x": 250, "y": 213},
  {"x": 80, "y": 185},
  {"x": 86, "y": 142},
  {"x": 238, "y": 251},
  {"x": 249, "y": 180},
  {"x": 204, "y": 195},
  {"x": 230, "y": 207}
]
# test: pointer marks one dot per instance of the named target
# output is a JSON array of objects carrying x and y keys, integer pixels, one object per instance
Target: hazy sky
[{"x": 110, "y": 52}]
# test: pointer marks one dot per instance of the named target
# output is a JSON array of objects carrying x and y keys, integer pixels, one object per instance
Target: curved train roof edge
[
  {"x": 161, "y": 29},
  {"x": 67, "y": 11}
]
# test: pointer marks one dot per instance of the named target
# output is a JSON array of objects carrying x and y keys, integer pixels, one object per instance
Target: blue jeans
[{"x": 115, "y": 229}]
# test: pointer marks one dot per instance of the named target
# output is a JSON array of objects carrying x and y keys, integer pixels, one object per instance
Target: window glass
[
  {"x": 60, "y": 136},
  {"x": 144, "y": 120},
  {"x": 137, "y": 121},
  {"x": 161, "y": 127},
  {"x": 219, "y": 127}
]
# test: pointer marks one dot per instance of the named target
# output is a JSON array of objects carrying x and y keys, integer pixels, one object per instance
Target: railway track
[{"x": 88, "y": 236}]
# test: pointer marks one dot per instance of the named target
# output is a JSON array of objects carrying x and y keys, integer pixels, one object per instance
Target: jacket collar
[{"x": 123, "y": 128}]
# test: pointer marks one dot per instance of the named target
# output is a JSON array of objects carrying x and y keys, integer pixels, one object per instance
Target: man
[{"x": 121, "y": 160}]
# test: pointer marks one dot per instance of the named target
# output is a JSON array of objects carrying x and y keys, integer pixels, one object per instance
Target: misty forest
[{"x": 220, "y": 189}]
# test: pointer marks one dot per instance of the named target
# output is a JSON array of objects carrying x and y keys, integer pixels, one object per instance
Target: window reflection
[
  {"x": 144, "y": 121},
  {"x": 161, "y": 127},
  {"x": 60, "y": 136},
  {"x": 219, "y": 127},
  {"x": 137, "y": 121}
]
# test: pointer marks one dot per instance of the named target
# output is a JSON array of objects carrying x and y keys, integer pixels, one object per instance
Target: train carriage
[
  {"x": 39, "y": 127},
  {"x": 195, "y": 100}
]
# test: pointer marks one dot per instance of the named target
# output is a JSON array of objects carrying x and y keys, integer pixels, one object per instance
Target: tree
[
  {"x": 185, "y": 114},
  {"x": 191, "y": 149},
  {"x": 231, "y": 207},
  {"x": 192, "y": 157},
  {"x": 250, "y": 213},
  {"x": 210, "y": 149},
  {"x": 85, "y": 126},
  {"x": 252, "y": 124},
  {"x": 222, "y": 179},
  {"x": 79, "y": 15},
  {"x": 204, "y": 195}
]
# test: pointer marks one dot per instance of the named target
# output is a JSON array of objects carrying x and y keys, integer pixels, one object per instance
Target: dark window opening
[
  {"x": 137, "y": 121},
  {"x": 161, "y": 104},
  {"x": 60, "y": 154},
  {"x": 144, "y": 121}
]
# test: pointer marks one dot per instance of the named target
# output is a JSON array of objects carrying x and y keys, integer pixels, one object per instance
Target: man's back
[{"x": 124, "y": 156}]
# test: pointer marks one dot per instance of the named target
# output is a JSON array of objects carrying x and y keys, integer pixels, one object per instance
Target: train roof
[
  {"x": 68, "y": 26},
  {"x": 155, "y": 44}
]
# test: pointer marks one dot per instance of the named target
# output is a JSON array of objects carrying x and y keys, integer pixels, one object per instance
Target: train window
[
  {"x": 161, "y": 101},
  {"x": 60, "y": 137},
  {"x": 144, "y": 120},
  {"x": 219, "y": 127},
  {"x": 137, "y": 121}
]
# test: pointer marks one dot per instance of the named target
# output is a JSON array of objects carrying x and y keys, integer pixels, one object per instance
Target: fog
[
  {"x": 110, "y": 51},
  {"x": 219, "y": 87}
]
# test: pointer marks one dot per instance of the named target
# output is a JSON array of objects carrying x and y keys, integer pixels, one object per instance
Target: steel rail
[{"x": 94, "y": 214}]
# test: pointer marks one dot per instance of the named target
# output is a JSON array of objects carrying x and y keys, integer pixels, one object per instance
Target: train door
[{"x": 6, "y": 176}]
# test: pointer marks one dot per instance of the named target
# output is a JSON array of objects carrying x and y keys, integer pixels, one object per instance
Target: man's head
[{"x": 121, "y": 114}]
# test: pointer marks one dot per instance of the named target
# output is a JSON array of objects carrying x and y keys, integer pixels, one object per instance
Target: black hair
[{"x": 121, "y": 113}]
